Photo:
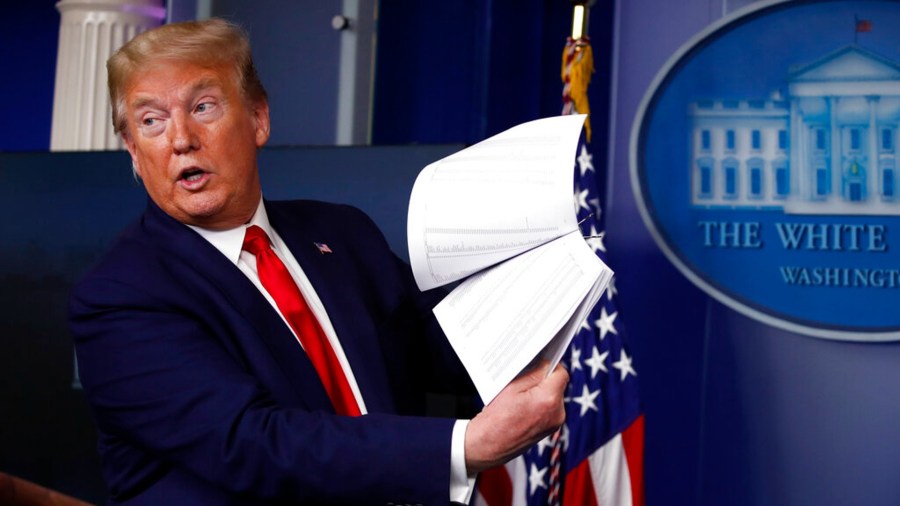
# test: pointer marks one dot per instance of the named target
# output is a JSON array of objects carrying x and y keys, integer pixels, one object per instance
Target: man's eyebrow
[
  {"x": 206, "y": 82},
  {"x": 142, "y": 102},
  {"x": 202, "y": 84}
]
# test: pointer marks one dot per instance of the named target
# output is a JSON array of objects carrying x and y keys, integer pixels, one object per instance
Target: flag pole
[
  {"x": 578, "y": 64},
  {"x": 577, "y": 67},
  {"x": 610, "y": 473}
]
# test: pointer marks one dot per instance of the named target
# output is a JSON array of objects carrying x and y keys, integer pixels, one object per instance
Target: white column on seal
[
  {"x": 874, "y": 159},
  {"x": 837, "y": 150},
  {"x": 799, "y": 168},
  {"x": 89, "y": 32}
]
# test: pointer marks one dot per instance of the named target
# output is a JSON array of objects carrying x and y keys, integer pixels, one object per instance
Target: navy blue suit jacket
[{"x": 202, "y": 396}]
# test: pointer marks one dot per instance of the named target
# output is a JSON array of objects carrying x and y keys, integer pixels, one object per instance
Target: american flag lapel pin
[{"x": 322, "y": 247}]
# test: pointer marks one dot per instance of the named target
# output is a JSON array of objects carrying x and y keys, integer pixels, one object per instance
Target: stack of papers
[{"x": 500, "y": 216}]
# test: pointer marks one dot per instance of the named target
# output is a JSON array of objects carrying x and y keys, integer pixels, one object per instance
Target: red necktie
[{"x": 278, "y": 282}]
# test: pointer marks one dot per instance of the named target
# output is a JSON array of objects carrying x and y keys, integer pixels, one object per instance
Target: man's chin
[
  {"x": 206, "y": 215},
  {"x": 218, "y": 217}
]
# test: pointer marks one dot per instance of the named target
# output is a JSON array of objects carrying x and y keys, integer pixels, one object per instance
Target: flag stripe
[
  {"x": 633, "y": 441},
  {"x": 609, "y": 471},
  {"x": 496, "y": 487},
  {"x": 512, "y": 477},
  {"x": 579, "y": 489}
]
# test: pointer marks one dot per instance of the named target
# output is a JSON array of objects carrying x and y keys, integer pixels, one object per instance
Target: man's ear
[{"x": 261, "y": 122}]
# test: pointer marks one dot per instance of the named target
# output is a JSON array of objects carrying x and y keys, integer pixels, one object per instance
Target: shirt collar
[{"x": 231, "y": 241}]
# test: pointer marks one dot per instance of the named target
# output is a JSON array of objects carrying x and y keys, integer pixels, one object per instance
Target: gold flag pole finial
[
  {"x": 580, "y": 11},
  {"x": 578, "y": 64}
]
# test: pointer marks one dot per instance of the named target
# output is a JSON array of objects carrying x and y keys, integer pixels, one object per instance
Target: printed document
[{"x": 500, "y": 216}]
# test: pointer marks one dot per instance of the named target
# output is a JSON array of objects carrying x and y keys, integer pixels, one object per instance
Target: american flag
[
  {"x": 322, "y": 247},
  {"x": 597, "y": 456}
]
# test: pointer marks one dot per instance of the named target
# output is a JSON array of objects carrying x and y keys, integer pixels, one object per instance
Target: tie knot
[{"x": 255, "y": 240}]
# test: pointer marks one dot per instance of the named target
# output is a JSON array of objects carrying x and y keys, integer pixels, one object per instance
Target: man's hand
[{"x": 526, "y": 411}]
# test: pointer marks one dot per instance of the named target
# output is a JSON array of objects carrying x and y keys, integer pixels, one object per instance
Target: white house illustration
[{"x": 829, "y": 147}]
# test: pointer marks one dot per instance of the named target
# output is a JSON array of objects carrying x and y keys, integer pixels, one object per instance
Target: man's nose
[{"x": 182, "y": 133}]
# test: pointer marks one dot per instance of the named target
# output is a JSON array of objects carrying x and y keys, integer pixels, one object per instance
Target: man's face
[{"x": 193, "y": 140}]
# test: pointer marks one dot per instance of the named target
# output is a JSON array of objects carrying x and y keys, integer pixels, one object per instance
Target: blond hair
[{"x": 208, "y": 43}]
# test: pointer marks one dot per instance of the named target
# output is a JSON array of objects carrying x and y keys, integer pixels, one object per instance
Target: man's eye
[
  {"x": 149, "y": 121},
  {"x": 204, "y": 107}
]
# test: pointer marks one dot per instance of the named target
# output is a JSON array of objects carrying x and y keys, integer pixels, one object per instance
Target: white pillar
[
  {"x": 874, "y": 159},
  {"x": 837, "y": 151},
  {"x": 896, "y": 168},
  {"x": 798, "y": 171},
  {"x": 89, "y": 32},
  {"x": 355, "y": 83}
]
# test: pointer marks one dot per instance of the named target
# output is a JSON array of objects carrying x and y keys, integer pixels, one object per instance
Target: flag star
[
  {"x": 547, "y": 442},
  {"x": 585, "y": 160},
  {"x": 586, "y": 399},
  {"x": 575, "y": 361},
  {"x": 536, "y": 478},
  {"x": 596, "y": 240},
  {"x": 606, "y": 323},
  {"x": 585, "y": 325},
  {"x": 597, "y": 362},
  {"x": 564, "y": 437},
  {"x": 611, "y": 290},
  {"x": 624, "y": 366},
  {"x": 595, "y": 203},
  {"x": 581, "y": 200}
]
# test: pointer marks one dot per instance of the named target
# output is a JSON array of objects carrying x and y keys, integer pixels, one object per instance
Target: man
[{"x": 204, "y": 387}]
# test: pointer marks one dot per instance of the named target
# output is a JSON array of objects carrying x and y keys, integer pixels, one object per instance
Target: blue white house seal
[{"x": 765, "y": 159}]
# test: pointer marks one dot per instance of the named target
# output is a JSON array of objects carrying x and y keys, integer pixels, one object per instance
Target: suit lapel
[
  {"x": 183, "y": 243},
  {"x": 328, "y": 273}
]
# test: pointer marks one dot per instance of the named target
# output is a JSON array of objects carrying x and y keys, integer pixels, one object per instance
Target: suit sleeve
[{"x": 165, "y": 391}]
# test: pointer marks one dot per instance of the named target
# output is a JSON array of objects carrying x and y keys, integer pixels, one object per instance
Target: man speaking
[{"x": 240, "y": 351}]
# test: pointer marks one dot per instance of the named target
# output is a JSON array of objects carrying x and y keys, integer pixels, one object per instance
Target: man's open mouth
[{"x": 192, "y": 174}]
